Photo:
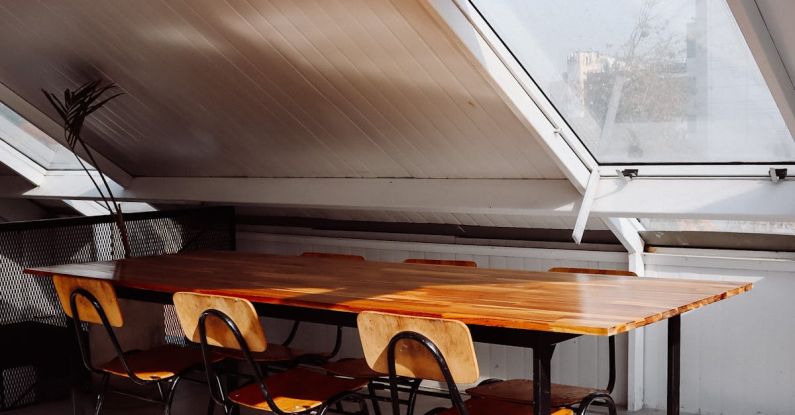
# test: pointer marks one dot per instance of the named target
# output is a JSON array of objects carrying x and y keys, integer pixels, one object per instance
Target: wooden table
[{"x": 518, "y": 308}]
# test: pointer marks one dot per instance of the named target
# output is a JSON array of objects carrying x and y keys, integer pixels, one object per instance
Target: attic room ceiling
[
  {"x": 778, "y": 19},
  {"x": 5, "y": 171},
  {"x": 271, "y": 88}
]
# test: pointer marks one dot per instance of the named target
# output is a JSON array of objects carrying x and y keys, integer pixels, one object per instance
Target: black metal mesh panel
[{"x": 26, "y": 299}]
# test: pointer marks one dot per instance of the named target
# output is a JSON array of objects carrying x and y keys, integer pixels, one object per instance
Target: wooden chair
[
  {"x": 232, "y": 323},
  {"x": 95, "y": 302},
  {"x": 575, "y": 397},
  {"x": 359, "y": 369},
  {"x": 432, "y": 349}
]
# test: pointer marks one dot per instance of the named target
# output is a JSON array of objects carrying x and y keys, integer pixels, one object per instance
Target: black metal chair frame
[
  {"x": 217, "y": 393},
  {"x": 166, "y": 397},
  {"x": 394, "y": 379},
  {"x": 406, "y": 385},
  {"x": 594, "y": 398}
]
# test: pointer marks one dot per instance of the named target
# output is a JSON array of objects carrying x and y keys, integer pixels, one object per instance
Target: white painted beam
[
  {"x": 757, "y": 36},
  {"x": 626, "y": 230},
  {"x": 520, "y": 197},
  {"x": 585, "y": 207},
  {"x": 21, "y": 164},
  {"x": 727, "y": 199},
  {"x": 55, "y": 131},
  {"x": 87, "y": 207},
  {"x": 732, "y": 199}
]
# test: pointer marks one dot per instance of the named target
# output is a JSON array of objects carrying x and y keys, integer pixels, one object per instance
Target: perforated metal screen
[{"x": 27, "y": 299}]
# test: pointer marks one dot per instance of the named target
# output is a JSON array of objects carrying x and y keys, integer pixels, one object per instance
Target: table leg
[
  {"x": 542, "y": 384},
  {"x": 674, "y": 333}
]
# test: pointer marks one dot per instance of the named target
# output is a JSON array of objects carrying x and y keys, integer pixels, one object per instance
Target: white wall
[
  {"x": 737, "y": 355},
  {"x": 581, "y": 361}
]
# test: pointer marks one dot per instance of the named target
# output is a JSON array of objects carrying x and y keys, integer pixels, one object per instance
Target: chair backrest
[
  {"x": 412, "y": 359},
  {"x": 345, "y": 257},
  {"x": 191, "y": 306},
  {"x": 617, "y": 272},
  {"x": 455, "y": 262},
  {"x": 101, "y": 290}
]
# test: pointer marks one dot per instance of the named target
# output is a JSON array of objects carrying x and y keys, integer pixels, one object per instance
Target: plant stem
[{"x": 96, "y": 185}]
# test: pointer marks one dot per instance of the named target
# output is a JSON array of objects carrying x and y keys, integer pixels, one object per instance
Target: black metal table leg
[
  {"x": 542, "y": 384},
  {"x": 674, "y": 333}
]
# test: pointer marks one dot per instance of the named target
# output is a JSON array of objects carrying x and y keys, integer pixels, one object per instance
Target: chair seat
[
  {"x": 274, "y": 353},
  {"x": 295, "y": 390},
  {"x": 352, "y": 368},
  {"x": 158, "y": 363},
  {"x": 479, "y": 406},
  {"x": 521, "y": 391}
]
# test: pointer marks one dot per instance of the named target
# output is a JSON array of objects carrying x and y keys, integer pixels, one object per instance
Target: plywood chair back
[
  {"x": 454, "y": 262},
  {"x": 412, "y": 359},
  {"x": 191, "y": 306},
  {"x": 616, "y": 272},
  {"x": 101, "y": 290},
  {"x": 345, "y": 257}
]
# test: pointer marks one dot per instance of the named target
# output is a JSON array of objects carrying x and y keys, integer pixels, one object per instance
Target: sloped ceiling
[
  {"x": 778, "y": 17},
  {"x": 5, "y": 171},
  {"x": 271, "y": 88}
]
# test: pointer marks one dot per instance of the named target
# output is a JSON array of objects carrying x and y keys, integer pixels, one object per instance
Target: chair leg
[
  {"x": 373, "y": 398},
  {"x": 210, "y": 406},
  {"x": 101, "y": 395},
  {"x": 412, "y": 399},
  {"x": 586, "y": 402},
  {"x": 170, "y": 398}
]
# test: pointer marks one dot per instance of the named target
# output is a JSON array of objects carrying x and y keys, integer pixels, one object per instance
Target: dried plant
[{"x": 73, "y": 109}]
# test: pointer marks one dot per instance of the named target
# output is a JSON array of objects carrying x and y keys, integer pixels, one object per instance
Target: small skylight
[
  {"x": 647, "y": 82},
  {"x": 26, "y": 138}
]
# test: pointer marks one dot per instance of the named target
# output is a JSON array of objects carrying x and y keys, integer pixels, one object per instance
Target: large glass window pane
[{"x": 666, "y": 81}]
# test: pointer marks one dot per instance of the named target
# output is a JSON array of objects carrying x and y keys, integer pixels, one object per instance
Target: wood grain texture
[
  {"x": 557, "y": 302},
  {"x": 274, "y": 353},
  {"x": 353, "y": 368},
  {"x": 344, "y": 257},
  {"x": 454, "y": 262},
  {"x": 158, "y": 363},
  {"x": 618, "y": 272},
  {"x": 190, "y": 306},
  {"x": 490, "y": 407},
  {"x": 295, "y": 390},
  {"x": 102, "y": 290},
  {"x": 521, "y": 391},
  {"x": 412, "y": 359}
]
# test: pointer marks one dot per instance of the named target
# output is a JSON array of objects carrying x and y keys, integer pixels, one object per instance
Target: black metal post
[
  {"x": 542, "y": 383},
  {"x": 674, "y": 333}
]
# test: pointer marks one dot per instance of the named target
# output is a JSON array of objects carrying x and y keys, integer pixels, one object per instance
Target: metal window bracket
[
  {"x": 777, "y": 174},
  {"x": 628, "y": 174}
]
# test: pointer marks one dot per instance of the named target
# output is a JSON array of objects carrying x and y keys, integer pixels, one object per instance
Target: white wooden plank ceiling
[
  {"x": 778, "y": 17},
  {"x": 271, "y": 88},
  {"x": 5, "y": 171}
]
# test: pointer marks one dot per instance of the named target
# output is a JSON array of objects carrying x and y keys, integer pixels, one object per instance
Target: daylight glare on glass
[{"x": 669, "y": 81}]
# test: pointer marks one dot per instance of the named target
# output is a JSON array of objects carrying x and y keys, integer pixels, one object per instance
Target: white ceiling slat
[
  {"x": 458, "y": 69},
  {"x": 343, "y": 91}
]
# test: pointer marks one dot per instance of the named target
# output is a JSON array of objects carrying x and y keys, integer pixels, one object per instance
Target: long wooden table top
[{"x": 553, "y": 302}]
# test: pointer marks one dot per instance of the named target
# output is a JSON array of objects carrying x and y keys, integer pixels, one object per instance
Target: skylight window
[
  {"x": 647, "y": 82},
  {"x": 26, "y": 138}
]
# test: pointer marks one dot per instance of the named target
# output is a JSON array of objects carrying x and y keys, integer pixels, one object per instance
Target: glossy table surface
[{"x": 543, "y": 301}]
